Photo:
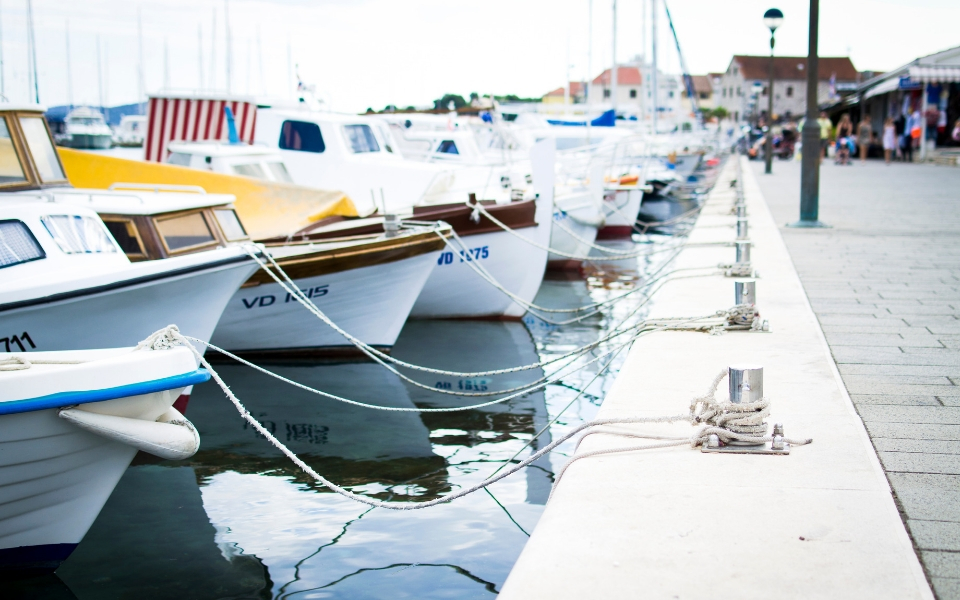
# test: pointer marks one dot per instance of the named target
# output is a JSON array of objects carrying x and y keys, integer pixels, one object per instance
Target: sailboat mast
[
  {"x": 3, "y": 87},
  {"x": 653, "y": 62},
  {"x": 263, "y": 87},
  {"x": 140, "y": 80},
  {"x": 613, "y": 69},
  {"x": 590, "y": 42},
  {"x": 32, "y": 48},
  {"x": 166, "y": 65},
  {"x": 213, "y": 52},
  {"x": 99, "y": 73},
  {"x": 200, "y": 53},
  {"x": 289, "y": 67},
  {"x": 226, "y": 20},
  {"x": 69, "y": 69}
]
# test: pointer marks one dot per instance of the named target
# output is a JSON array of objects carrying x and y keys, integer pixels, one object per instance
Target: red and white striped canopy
[{"x": 193, "y": 119}]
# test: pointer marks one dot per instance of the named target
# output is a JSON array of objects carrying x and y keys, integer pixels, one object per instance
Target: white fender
[{"x": 171, "y": 436}]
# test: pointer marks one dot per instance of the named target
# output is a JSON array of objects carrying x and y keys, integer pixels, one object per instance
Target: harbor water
[{"x": 239, "y": 520}]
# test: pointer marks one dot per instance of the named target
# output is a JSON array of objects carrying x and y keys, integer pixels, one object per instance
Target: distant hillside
[{"x": 112, "y": 114}]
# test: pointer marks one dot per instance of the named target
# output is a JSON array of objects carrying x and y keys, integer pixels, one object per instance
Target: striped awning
[
  {"x": 193, "y": 119},
  {"x": 944, "y": 74}
]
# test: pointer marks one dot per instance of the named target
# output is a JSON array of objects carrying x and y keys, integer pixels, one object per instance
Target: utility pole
[
  {"x": 772, "y": 19},
  {"x": 810, "y": 160}
]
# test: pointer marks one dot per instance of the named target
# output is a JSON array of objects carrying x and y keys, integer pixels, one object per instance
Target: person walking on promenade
[
  {"x": 826, "y": 128},
  {"x": 844, "y": 135},
  {"x": 955, "y": 135},
  {"x": 889, "y": 139},
  {"x": 863, "y": 137}
]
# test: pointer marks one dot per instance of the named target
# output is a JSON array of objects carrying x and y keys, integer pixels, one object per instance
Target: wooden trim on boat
[
  {"x": 516, "y": 215},
  {"x": 354, "y": 256}
]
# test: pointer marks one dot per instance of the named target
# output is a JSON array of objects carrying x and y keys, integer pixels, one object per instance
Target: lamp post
[
  {"x": 772, "y": 19},
  {"x": 810, "y": 165}
]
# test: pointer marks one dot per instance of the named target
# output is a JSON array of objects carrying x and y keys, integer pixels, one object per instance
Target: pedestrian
[
  {"x": 863, "y": 137},
  {"x": 844, "y": 139},
  {"x": 889, "y": 139},
  {"x": 826, "y": 129},
  {"x": 900, "y": 124},
  {"x": 956, "y": 131}
]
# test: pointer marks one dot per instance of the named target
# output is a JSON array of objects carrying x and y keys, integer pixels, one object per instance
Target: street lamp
[{"x": 772, "y": 19}]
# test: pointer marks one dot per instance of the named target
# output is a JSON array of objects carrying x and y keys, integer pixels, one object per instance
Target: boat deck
[{"x": 677, "y": 523}]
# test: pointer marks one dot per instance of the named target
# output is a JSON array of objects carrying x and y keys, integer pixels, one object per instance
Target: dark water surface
[{"x": 239, "y": 520}]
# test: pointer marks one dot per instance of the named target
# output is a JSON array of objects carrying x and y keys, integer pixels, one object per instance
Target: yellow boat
[{"x": 267, "y": 208}]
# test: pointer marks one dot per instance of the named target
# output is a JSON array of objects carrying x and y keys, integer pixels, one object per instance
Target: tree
[{"x": 444, "y": 102}]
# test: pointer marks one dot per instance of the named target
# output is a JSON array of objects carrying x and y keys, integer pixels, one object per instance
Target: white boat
[
  {"x": 621, "y": 205},
  {"x": 248, "y": 160},
  {"x": 70, "y": 423},
  {"x": 85, "y": 128},
  {"x": 131, "y": 131}
]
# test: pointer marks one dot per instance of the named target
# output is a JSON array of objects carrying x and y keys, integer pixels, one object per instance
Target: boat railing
[{"x": 157, "y": 187}]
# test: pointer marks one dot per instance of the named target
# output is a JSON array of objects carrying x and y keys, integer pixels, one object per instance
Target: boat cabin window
[
  {"x": 250, "y": 170},
  {"x": 361, "y": 138},
  {"x": 41, "y": 147},
  {"x": 79, "y": 235},
  {"x": 301, "y": 135},
  {"x": 184, "y": 231},
  {"x": 125, "y": 232},
  {"x": 447, "y": 147},
  {"x": 179, "y": 158},
  {"x": 279, "y": 171},
  {"x": 11, "y": 171},
  {"x": 230, "y": 224},
  {"x": 17, "y": 244}
]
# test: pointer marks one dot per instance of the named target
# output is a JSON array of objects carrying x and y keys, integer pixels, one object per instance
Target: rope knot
[
  {"x": 163, "y": 339},
  {"x": 15, "y": 363}
]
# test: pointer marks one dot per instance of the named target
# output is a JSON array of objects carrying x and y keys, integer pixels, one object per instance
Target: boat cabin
[
  {"x": 247, "y": 160},
  {"x": 149, "y": 224},
  {"x": 28, "y": 158}
]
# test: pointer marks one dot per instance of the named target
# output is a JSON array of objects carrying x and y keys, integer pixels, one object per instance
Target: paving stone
[
  {"x": 946, "y": 589},
  {"x": 896, "y": 379},
  {"x": 938, "y": 415},
  {"x": 942, "y": 564},
  {"x": 919, "y": 462},
  {"x": 935, "y": 535},
  {"x": 866, "y": 387},
  {"x": 881, "y": 399},
  {"x": 917, "y": 431},
  {"x": 873, "y": 329},
  {"x": 862, "y": 369},
  {"x": 931, "y": 446},
  {"x": 882, "y": 339}
]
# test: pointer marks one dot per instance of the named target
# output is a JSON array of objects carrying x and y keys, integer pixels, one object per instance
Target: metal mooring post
[
  {"x": 741, "y": 228},
  {"x": 391, "y": 225},
  {"x": 746, "y": 386},
  {"x": 745, "y": 292},
  {"x": 743, "y": 252},
  {"x": 746, "y": 383}
]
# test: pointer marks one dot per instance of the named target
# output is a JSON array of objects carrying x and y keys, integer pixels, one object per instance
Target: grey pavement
[{"x": 884, "y": 282}]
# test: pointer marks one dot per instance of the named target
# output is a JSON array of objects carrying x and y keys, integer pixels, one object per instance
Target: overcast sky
[{"x": 364, "y": 53}]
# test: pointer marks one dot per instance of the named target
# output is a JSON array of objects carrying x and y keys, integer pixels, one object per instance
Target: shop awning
[
  {"x": 943, "y": 74},
  {"x": 883, "y": 87}
]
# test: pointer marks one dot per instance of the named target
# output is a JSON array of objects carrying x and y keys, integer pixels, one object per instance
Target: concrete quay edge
[{"x": 676, "y": 523}]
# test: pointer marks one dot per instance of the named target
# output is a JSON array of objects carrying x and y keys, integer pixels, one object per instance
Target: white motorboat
[
  {"x": 131, "y": 131},
  {"x": 85, "y": 127},
  {"x": 70, "y": 423},
  {"x": 247, "y": 160}
]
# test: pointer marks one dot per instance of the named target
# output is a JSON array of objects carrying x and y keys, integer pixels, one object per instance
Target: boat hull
[
  {"x": 371, "y": 303},
  {"x": 123, "y": 315},
  {"x": 88, "y": 141},
  {"x": 455, "y": 290},
  {"x": 578, "y": 221},
  {"x": 54, "y": 480},
  {"x": 620, "y": 208}
]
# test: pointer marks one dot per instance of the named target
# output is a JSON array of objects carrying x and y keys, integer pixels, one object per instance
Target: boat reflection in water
[{"x": 240, "y": 520}]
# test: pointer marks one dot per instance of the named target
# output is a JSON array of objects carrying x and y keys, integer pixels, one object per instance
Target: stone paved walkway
[{"x": 885, "y": 285}]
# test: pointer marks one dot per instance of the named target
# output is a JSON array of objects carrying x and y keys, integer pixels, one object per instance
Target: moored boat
[{"x": 70, "y": 423}]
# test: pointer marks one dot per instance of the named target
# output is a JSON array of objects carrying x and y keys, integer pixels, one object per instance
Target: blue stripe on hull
[
  {"x": 30, "y": 561},
  {"x": 61, "y": 399}
]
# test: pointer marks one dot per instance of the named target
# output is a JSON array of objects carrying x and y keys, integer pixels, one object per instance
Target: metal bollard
[
  {"x": 746, "y": 383},
  {"x": 745, "y": 292},
  {"x": 741, "y": 228},
  {"x": 743, "y": 252},
  {"x": 391, "y": 225},
  {"x": 741, "y": 211}
]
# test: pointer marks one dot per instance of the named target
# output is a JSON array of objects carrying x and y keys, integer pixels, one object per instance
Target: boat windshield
[
  {"x": 250, "y": 170},
  {"x": 85, "y": 121},
  {"x": 41, "y": 147},
  {"x": 361, "y": 138},
  {"x": 79, "y": 235},
  {"x": 17, "y": 244},
  {"x": 279, "y": 171},
  {"x": 11, "y": 171}
]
